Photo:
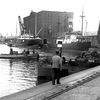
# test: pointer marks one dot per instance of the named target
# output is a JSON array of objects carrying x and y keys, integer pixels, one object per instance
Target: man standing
[{"x": 56, "y": 68}]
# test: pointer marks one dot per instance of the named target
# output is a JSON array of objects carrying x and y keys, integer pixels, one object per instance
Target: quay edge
[{"x": 47, "y": 87}]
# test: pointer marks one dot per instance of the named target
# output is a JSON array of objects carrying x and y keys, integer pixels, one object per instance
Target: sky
[{"x": 11, "y": 9}]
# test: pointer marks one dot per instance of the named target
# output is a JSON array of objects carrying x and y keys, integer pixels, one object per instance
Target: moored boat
[
  {"x": 27, "y": 38},
  {"x": 19, "y": 56},
  {"x": 75, "y": 42}
]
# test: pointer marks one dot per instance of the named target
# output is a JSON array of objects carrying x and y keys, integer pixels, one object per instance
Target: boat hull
[
  {"x": 7, "y": 56},
  {"x": 27, "y": 42},
  {"x": 77, "y": 46}
]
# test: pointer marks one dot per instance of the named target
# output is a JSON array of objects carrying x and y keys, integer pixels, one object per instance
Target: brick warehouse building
[
  {"x": 29, "y": 23},
  {"x": 49, "y": 24}
]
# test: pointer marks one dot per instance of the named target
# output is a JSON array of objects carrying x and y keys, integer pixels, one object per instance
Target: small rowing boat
[{"x": 18, "y": 56}]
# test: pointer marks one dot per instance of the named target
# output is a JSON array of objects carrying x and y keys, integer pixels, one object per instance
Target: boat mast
[
  {"x": 82, "y": 16},
  {"x": 35, "y": 25}
]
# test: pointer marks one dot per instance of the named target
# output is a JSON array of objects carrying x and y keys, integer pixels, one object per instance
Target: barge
[{"x": 19, "y": 56}]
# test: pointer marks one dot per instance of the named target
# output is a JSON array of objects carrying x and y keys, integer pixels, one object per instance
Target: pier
[{"x": 84, "y": 85}]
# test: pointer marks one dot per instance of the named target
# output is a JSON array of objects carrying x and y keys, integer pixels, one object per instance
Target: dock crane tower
[{"x": 22, "y": 27}]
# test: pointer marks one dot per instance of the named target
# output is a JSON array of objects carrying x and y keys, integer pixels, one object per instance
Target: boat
[
  {"x": 25, "y": 38},
  {"x": 76, "y": 40},
  {"x": 28, "y": 41},
  {"x": 87, "y": 59},
  {"x": 28, "y": 38},
  {"x": 18, "y": 56}
]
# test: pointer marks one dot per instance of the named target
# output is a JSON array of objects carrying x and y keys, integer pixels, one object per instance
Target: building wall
[
  {"x": 52, "y": 23},
  {"x": 55, "y": 23},
  {"x": 98, "y": 34},
  {"x": 29, "y": 23}
]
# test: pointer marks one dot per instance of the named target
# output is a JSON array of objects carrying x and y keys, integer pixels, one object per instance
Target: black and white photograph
[{"x": 49, "y": 50}]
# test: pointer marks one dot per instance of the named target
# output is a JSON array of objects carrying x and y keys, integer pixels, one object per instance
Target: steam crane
[
  {"x": 25, "y": 39},
  {"x": 22, "y": 27}
]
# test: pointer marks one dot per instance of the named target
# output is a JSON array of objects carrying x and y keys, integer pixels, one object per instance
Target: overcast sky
[{"x": 11, "y": 9}]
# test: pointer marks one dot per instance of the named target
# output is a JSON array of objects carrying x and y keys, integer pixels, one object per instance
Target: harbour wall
[{"x": 47, "y": 87}]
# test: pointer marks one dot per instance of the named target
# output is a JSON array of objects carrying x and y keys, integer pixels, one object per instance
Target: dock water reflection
[{"x": 17, "y": 75}]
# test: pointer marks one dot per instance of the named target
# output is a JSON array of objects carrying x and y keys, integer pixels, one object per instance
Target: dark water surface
[{"x": 17, "y": 75}]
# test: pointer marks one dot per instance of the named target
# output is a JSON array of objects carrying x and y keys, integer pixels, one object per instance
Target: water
[{"x": 17, "y": 75}]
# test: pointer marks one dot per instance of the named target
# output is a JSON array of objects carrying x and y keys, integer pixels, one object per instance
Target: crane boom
[{"x": 22, "y": 28}]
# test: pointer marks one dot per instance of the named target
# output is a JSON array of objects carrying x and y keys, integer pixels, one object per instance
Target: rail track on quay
[{"x": 53, "y": 93}]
